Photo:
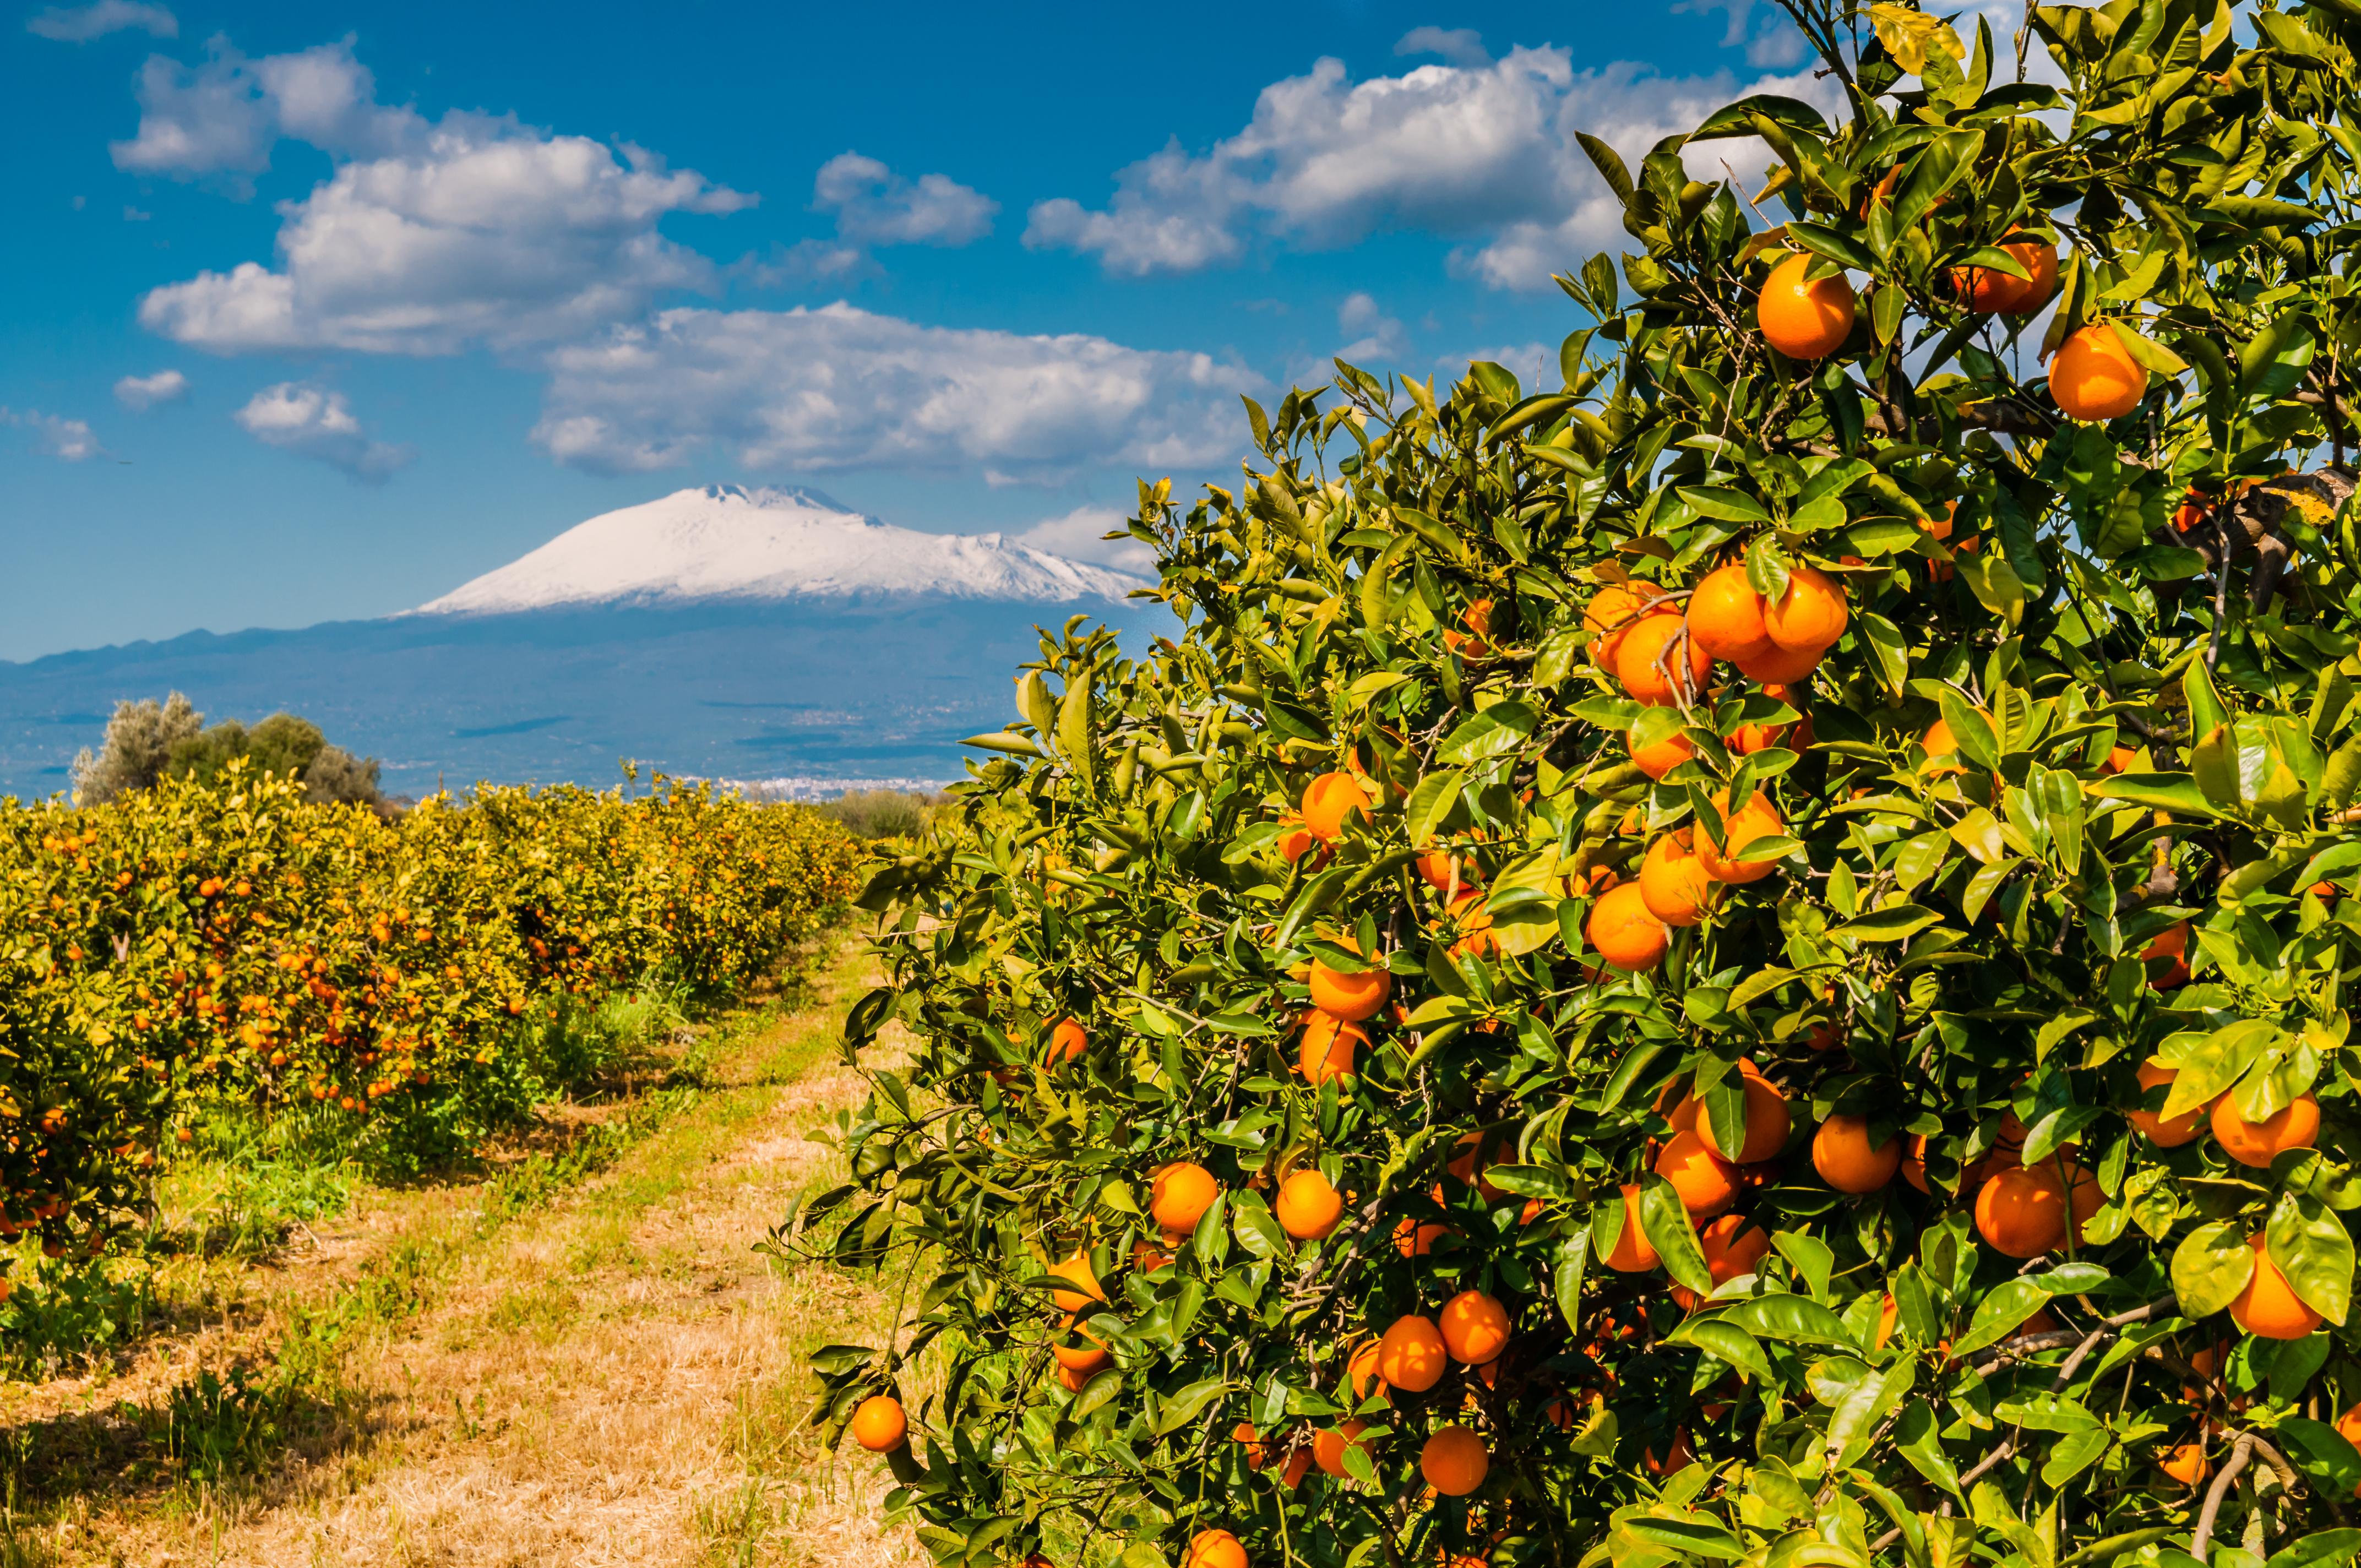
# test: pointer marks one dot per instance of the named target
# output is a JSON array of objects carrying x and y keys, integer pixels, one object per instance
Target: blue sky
[{"x": 321, "y": 311}]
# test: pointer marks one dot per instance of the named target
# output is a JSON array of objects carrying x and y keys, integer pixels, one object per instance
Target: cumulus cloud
[
  {"x": 312, "y": 422},
  {"x": 140, "y": 393},
  {"x": 223, "y": 117},
  {"x": 1460, "y": 46},
  {"x": 1771, "y": 40},
  {"x": 80, "y": 24},
  {"x": 874, "y": 205},
  {"x": 1079, "y": 536},
  {"x": 839, "y": 387},
  {"x": 1378, "y": 338},
  {"x": 68, "y": 440},
  {"x": 1481, "y": 151}
]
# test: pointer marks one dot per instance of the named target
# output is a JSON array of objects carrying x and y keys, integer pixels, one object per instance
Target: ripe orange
[
  {"x": 1328, "y": 800},
  {"x": 1411, "y": 1356},
  {"x": 1804, "y": 320},
  {"x": 1632, "y": 1254},
  {"x": 1295, "y": 840},
  {"x": 1842, "y": 1155},
  {"x": 1215, "y": 1549},
  {"x": 1414, "y": 1240},
  {"x": 1661, "y": 758},
  {"x": 1475, "y": 924},
  {"x": 1361, "y": 1371},
  {"x": 1702, "y": 1178},
  {"x": 1914, "y": 1162},
  {"x": 1811, "y": 615},
  {"x": 2293, "y": 1126},
  {"x": 1659, "y": 665},
  {"x": 1991, "y": 292},
  {"x": 1725, "y": 614},
  {"x": 2022, "y": 1212},
  {"x": 2185, "y": 1463},
  {"x": 2181, "y": 1128},
  {"x": 1624, "y": 932},
  {"x": 1766, "y": 1122},
  {"x": 2171, "y": 946},
  {"x": 1781, "y": 667},
  {"x": 1077, "y": 1271},
  {"x": 1673, "y": 883},
  {"x": 2267, "y": 1307},
  {"x": 1732, "y": 1245},
  {"x": 878, "y": 1424},
  {"x": 1068, "y": 1041},
  {"x": 1180, "y": 1195},
  {"x": 1351, "y": 997},
  {"x": 1309, "y": 1205},
  {"x": 1082, "y": 1358},
  {"x": 2094, "y": 377},
  {"x": 1613, "y": 612},
  {"x": 1328, "y": 1447},
  {"x": 1758, "y": 819},
  {"x": 1454, "y": 1460},
  {"x": 1329, "y": 1043},
  {"x": 1678, "y": 1456},
  {"x": 1251, "y": 1440},
  {"x": 1440, "y": 870},
  {"x": 1475, "y": 1327}
]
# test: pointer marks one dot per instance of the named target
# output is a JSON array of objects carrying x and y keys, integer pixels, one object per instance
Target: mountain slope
[{"x": 727, "y": 542}]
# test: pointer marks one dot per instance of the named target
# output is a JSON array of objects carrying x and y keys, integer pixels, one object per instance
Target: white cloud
[
  {"x": 313, "y": 423},
  {"x": 140, "y": 393},
  {"x": 485, "y": 233},
  {"x": 1381, "y": 339},
  {"x": 69, "y": 439},
  {"x": 134, "y": 215},
  {"x": 1774, "y": 41},
  {"x": 223, "y": 117},
  {"x": 80, "y": 24},
  {"x": 1080, "y": 535},
  {"x": 874, "y": 205},
  {"x": 839, "y": 388},
  {"x": 1460, "y": 46},
  {"x": 1487, "y": 151}
]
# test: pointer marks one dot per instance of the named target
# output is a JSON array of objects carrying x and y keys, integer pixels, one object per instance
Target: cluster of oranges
[{"x": 2095, "y": 374}]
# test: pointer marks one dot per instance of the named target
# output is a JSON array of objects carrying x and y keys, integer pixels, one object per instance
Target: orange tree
[{"x": 1740, "y": 961}]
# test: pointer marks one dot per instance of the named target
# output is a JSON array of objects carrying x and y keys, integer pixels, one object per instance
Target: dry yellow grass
[{"x": 612, "y": 1377}]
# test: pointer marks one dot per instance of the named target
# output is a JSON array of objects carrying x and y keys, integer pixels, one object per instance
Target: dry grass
[{"x": 613, "y": 1376}]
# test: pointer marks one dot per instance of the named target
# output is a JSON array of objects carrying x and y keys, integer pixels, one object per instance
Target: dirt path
[{"x": 613, "y": 1376}]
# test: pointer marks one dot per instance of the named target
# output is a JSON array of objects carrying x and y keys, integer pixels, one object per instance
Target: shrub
[
  {"x": 1746, "y": 873},
  {"x": 880, "y": 812},
  {"x": 137, "y": 748}
]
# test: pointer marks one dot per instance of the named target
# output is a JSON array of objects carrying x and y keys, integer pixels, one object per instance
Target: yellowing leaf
[{"x": 1907, "y": 34}]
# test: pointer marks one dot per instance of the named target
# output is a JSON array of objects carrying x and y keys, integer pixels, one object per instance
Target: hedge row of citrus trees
[
  {"x": 1739, "y": 962},
  {"x": 237, "y": 944}
]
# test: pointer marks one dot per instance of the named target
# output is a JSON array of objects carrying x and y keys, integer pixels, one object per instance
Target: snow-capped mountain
[
  {"x": 725, "y": 541},
  {"x": 721, "y": 633}
]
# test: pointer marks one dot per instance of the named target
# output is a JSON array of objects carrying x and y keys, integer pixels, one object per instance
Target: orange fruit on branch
[
  {"x": 1083, "y": 1358},
  {"x": 1215, "y": 1549},
  {"x": 1702, "y": 1178},
  {"x": 1758, "y": 819},
  {"x": 1612, "y": 612},
  {"x": 878, "y": 1424},
  {"x": 2021, "y": 1211},
  {"x": 1662, "y": 757},
  {"x": 1068, "y": 1041},
  {"x": 1626, "y": 935},
  {"x": 1412, "y": 1355},
  {"x": 1725, "y": 614},
  {"x": 1454, "y": 1460},
  {"x": 1781, "y": 667},
  {"x": 2094, "y": 377},
  {"x": 1328, "y": 1447},
  {"x": 1811, "y": 615},
  {"x": 1180, "y": 1195},
  {"x": 1329, "y": 1043},
  {"x": 1329, "y": 800},
  {"x": 1847, "y": 1161},
  {"x": 2181, "y": 1128},
  {"x": 1632, "y": 1253},
  {"x": 1309, "y": 1205},
  {"x": 1673, "y": 883},
  {"x": 1475, "y": 1327},
  {"x": 1659, "y": 664},
  {"x": 2293, "y": 1126},
  {"x": 1076, "y": 1271},
  {"x": 2269, "y": 1307},
  {"x": 1804, "y": 319},
  {"x": 1351, "y": 997},
  {"x": 1766, "y": 1122}
]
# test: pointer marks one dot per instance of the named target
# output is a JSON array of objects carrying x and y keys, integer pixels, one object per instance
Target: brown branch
[{"x": 2241, "y": 1453}]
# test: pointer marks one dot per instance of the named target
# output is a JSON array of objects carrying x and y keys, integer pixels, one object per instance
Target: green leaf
[
  {"x": 1822, "y": 241},
  {"x": 2210, "y": 1267},
  {"x": 2319, "y": 1548},
  {"x": 1789, "y": 1319},
  {"x": 2326, "y": 1459},
  {"x": 2072, "y": 1454},
  {"x": 1004, "y": 741},
  {"x": 1898, "y": 924},
  {"x": 2314, "y": 1249},
  {"x": 1921, "y": 1443},
  {"x": 1719, "y": 1336},
  {"x": 2176, "y": 793},
  {"x": 1694, "y": 1537},
  {"x": 1494, "y": 732},
  {"x": 1664, "y": 1221},
  {"x": 1999, "y": 1314},
  {"x": 1854, "y": 1423},
  {"x": 1719, "y": 501},
  {"x": 1429, "y": 803}
]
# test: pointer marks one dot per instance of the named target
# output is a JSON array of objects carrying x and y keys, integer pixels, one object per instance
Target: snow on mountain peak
[{"x": 728, "y": 542}]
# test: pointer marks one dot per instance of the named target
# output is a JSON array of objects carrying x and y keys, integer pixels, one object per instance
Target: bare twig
[{"x": 2241, "y": 1453}]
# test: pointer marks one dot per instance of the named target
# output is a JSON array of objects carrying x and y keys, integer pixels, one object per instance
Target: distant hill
[{"x": 720, "y": 632}]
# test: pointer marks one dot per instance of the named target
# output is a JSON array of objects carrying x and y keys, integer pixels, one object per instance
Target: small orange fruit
[
  {"x": 878, "y": 1424},
  {"x": 1660, "y": 665},
  {"x": 1084, "y": 1358},
  {"x": 1673, "y": 883},
  {"x": 2185, "y": 1462},
  {"x": 1843, "y": 1156},
  {"x": 2172, "y": 947},
  {"x": 1309, "y": 1205},
  {"x": 2022, "y": 1212},
  {"x": 1702, "y": 1178},
  {"x": 1766, "y": 1122},
  {"x": 2181, "y": 1128},
  {"x": 1475, "y": 1327},
  {"x": 1329, "y": 1043},
  {"x": 2094, "y": 377},
  {"x": 1328, "y": 1447},
  {"x": 1295, "y": 840},
  {"x": 1804, "y": 320},
  {"x": 1614, "y": 611},
  {"x": 1989, "y": 292},
  {"x": 1068, "y": 1041},
  {"x": 1442, "y": 871},
  {"x": 1215, "y": 1549},
  {"x": 2293, "y": 1126},
  {"x": 1811, "y": 615},
  {"x": 1328, "y": 800},
  {"x": 1664, "y": 756},
  {"x": 1914, "y": 1162},
  {"x": 1414, "y": 1240},
  {"x": 1412, "y": 1355},
  {"x": 1076, "y": 1271},
  {"x": 1758, "y": 819},
  {"x": 1361, "y": 1370},
  {"x": 1351, "y": 997},
  {"x": 1454, "y": 1460},
  {"x": 2268, "y": 1308},
  {"x": 1626, "y": 935},
  {"x": 1180, "y": 1195},
  {"x": 1781, "y": 667},
  {"x": 1632, "y": 1254},
  {"x": 1732, "y": 1245},
  {"x": 1251, "y": 1440},
  {"x": 1725, "y": 614}
]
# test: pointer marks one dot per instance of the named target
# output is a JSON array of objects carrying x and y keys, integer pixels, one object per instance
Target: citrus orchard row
[
  {"x": 238, "y": 943},
  {"x": 1741, "y": 961}
]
